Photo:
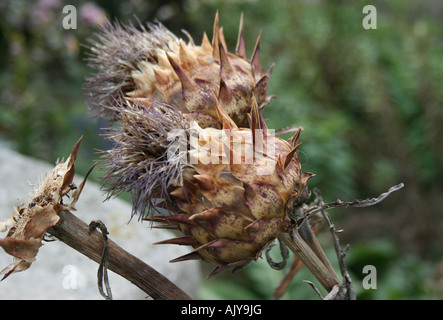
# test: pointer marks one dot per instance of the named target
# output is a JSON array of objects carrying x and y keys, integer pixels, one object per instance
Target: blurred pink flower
[
  {"x": 92, "y": 14},
  {"x": 43, "y": 10}
]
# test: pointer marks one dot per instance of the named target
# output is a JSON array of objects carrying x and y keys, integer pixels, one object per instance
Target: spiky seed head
[
  {"x": 229, "y": 183},
  {"x": 154, "y": 63}
]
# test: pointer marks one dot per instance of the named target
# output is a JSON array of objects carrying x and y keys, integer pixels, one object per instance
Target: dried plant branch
[
  {"x": 307, "y": 250},
  {"x": 314, "y": 287},
  {"x": 341, "y": 254},
  {"x": 352, "y": 204},
  {"x": 76, "y": 234},
  {"x": 302, "y": 250},
  {"x": 284, "y": 254}
]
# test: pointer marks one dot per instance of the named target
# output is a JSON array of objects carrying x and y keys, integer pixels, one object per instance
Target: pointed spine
[
  {"x": 221, "y": 39},
  {"x": 240, "y": 47},
  {"x": 290, "y": 156},
  {"x": 206, "y": 44},
  {"x": 215, "y": 36},
  {"x": 255, "y": 120},
  {"x": 226, "y": 69},
  {"x": 255, "y": 116},
  {"x": 190, "y": 256},
  {"x": 187, "y": 83},
  {"x": 187, "y": 61},
  {"x": 294, "y": 140},
  {"x": 182, "y": 241},
  {"x": 215, "y": 271},
  {"x": 257, "y": 70},
  {"x": 161, "y": 77},
  {"x": 223, "y": 116}
]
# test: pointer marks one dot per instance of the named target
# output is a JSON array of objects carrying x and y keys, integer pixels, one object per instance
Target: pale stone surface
[{"x": 61, "y": 272}]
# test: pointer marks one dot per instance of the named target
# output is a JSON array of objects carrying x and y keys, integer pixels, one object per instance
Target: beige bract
[{"x": 28, "y": 224}]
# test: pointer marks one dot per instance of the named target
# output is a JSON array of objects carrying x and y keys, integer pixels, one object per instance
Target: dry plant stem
[
  {"x": 327, "y": 278},
  {"x": 309, "y": 237},
  {"x": 341, "y": 254},
  {"x": 76, "y": 234}
]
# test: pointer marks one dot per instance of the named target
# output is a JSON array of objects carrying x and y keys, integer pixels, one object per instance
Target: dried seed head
[
  {"x": 154, "y": 63},
  {"x": 227, "y": 183}
]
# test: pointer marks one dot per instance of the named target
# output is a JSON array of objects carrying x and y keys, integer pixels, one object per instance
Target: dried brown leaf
[{"x": 28, "y": 224}]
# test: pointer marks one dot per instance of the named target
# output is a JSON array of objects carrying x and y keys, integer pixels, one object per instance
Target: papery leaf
[{"x": 28, "y": 224}]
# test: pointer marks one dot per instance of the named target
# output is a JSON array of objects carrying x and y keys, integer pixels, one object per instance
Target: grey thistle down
[{"x": 138, "y": 163}]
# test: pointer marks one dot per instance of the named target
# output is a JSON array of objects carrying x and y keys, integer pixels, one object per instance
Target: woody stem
[{"x": 77, "y": 234}]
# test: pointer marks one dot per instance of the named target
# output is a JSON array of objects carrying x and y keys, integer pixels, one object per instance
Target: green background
[{"x": 370, "y": 103}]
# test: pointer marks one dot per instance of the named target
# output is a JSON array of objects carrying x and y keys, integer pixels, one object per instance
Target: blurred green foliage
[{"x": 370, "y": 103}]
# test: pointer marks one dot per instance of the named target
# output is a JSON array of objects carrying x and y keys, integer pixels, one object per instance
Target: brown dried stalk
[
  {"x": 76, "y": 234},
  {"x": 327, "y": 278},
  {"x": 303, "y": 243}
]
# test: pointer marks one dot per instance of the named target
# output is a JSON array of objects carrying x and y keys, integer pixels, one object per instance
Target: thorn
[
  {"x": 182, "y": 241},
  {"x": 255, "y": 118},
  {"x": 215, "y": 35},
  {"x": 163, "y": 62},
  {"x": 179, "y": 193},
  {"x": 257, "y": 70},
  {"x": 161, "y": 77},
  {"x": 221, "y": 39},
  {"x": 256, "y": 123},
  {"x": 186, "y": 81},
  {"x": 295, "y": 138},
  {"x": 146, "y": 102},
  {"x": 290, "y": 155},
  {"x": 226, "y": 69},
  {"x": 215, "y": 271},
  {"x": 263, "y": 124},
  {"x": 204, "y": 181},
  {"x": 240, "y": 47},
  {"x": 206, "y": 44},
  {"x": 241, "y": 267},
  {"x": 165, "y": 227},
  {"x": 261, "y": 88},
  {"x": 224, "y": 93},
  {"x": 180, "y": 218},
  {"x": 280, "y": 164},
  {"x": 306, "y": 176},
  {"x": 269, "y": 72},
  {"x": 190, "y": 256},
  {"x": 228, "y": 123},
  {"x": 187, "y": 61}
]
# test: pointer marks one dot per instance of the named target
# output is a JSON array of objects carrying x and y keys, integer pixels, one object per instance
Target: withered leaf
[{"x": 28, "y": 224}]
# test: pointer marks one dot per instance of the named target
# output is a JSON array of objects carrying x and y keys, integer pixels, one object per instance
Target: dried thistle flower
[
  {"x": 156, "y": 64},
  {"x": 138, "y": 162},
  {"x": 160, "y": 88},
  {"x": 28, "y": 224}
]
